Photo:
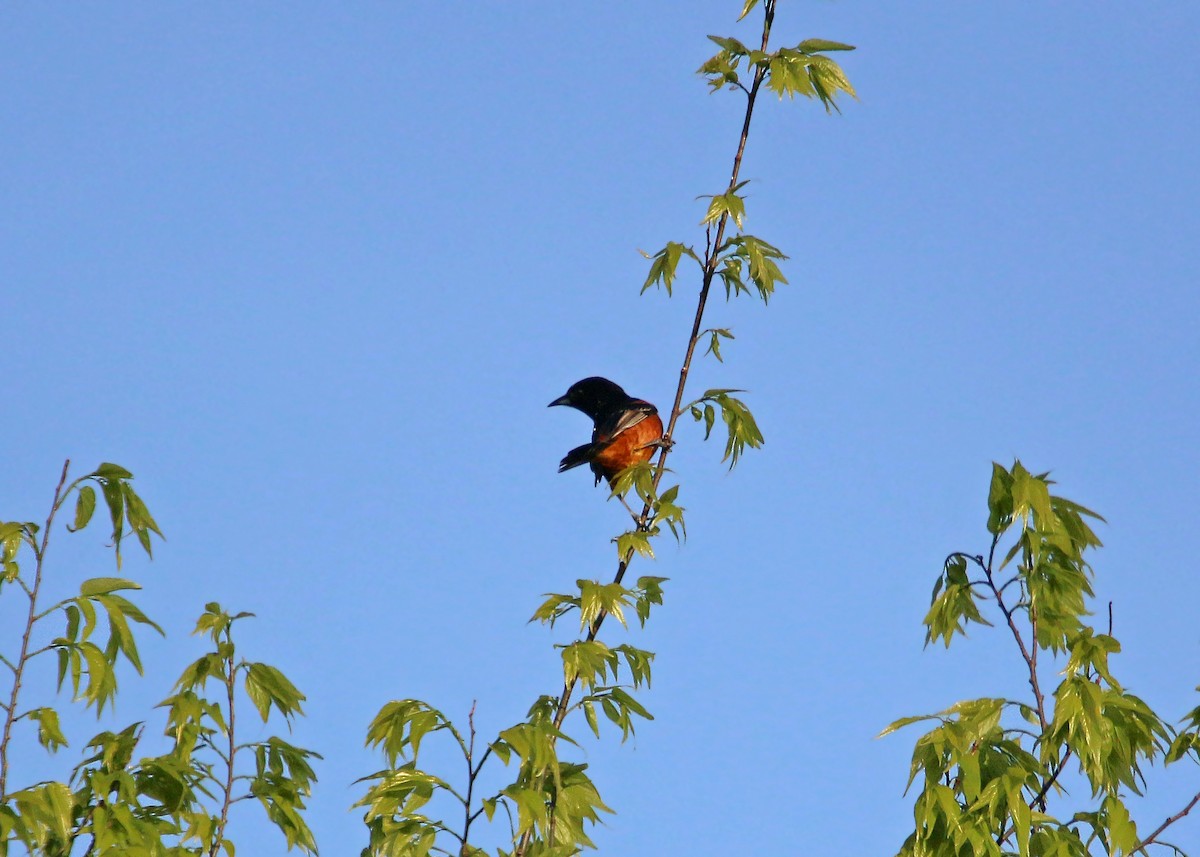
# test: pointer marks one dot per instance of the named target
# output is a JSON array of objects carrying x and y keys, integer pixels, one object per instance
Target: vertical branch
[
  {"x": 230, "y": 688},
  {"x": 19, "y": 668},
  {"x": 712, "y": 253},
  {"x": 711, "y": 258},
  {"x": 473, "y": 769},
  {"x": 1030, "y": 658}
]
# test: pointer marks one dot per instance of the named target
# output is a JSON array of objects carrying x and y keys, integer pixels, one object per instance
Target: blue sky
[{"x": 313, "y": 272}]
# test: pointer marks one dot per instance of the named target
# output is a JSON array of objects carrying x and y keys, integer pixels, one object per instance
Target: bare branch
[
  {"x": 23, "y": 658},
  {"x": 1153, "y": 837}
]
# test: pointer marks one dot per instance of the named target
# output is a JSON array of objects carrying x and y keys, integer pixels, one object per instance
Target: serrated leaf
[
  {"x": 723, "y": 205},
  {"x": 637, "y": 541},
  {"x": 731, "y": 45},
  {"x": 50, "y": 734},
  {"x": 664, "y": 263}
]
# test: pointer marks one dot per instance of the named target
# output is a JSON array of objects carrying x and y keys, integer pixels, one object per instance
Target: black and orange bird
[{"x": 625, "y": 430}]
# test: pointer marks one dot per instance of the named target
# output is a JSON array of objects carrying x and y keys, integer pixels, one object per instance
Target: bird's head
[{"x": 592, "y": 396}]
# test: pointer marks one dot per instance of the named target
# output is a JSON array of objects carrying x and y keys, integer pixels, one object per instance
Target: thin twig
[
  {"x": 1039, "y": 800},
  {"x": 230, "y": 684},
  {"x": 1030, "y": 659},
  {"x": 472, "y": 773},
  {"x": 23, "y": 659},
  {"x": 1149, "y": 840}
]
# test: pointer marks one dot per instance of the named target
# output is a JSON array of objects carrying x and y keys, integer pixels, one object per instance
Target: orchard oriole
[{"x": 625, "y": 430}]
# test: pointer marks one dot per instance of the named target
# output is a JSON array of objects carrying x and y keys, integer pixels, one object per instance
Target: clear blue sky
[{"x": 313, "y": 271}]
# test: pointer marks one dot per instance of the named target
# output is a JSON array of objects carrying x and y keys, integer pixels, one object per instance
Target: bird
[{"x": 625, "y": 430}]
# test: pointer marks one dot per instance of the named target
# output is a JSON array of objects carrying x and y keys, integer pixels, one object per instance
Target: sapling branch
[
  {"x": 1153, "y": 837},
  {"x": 643, "y": 521},
  {"x": 656, "y": 509},
  {"x": 1039, "y": 800},
  {"x": 711, "y": 258},
  {"x": 713, "y": 243},
  {"x": 473, "y": 770},
  {"x": 1030, "y": 657},
  {"x": 230, "y": 678},
  {"x": 19, "y": 668}
]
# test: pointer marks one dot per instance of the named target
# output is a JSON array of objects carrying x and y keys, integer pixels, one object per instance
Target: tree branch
[
  {"x": 711, "y": 259},
  {"x": 1149, "y": 840},
  {"x": 1030, "y": 659},
  {"x": 472, "y": 774},
  {"x": 23, "y": 658},
  {"x": 230, "y": 687}
]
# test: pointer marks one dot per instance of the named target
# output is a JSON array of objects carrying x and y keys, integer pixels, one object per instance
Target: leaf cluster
[
  {"x": 125, "y": 507},
  {"x": 122, "y": 799},
  {"x": 991, "y": 769},
  {"x": 741, "y": 430},
  {"x": 173, "y": 802},
  {"x": 800, "y": 70}
]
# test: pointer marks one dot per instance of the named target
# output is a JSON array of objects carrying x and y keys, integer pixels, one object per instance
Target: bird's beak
[{"x": 561, "y": 400}]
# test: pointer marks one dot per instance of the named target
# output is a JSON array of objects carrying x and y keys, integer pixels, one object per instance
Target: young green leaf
[
  {"x": 810, "y": 46},
  {"x": 85, "y": 505}
]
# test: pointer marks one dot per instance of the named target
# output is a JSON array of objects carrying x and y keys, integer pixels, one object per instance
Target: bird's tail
[{"x": 579, "y": 455}]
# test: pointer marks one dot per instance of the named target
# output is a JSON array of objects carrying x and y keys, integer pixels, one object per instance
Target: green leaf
[
  {"x": 953, "y": 605},
  {"x": 554, "y": 608},
  {"x": 649, "y": 593},
  {"x": 714, "y": 344},
  {"x": 638, "y": 476},
  {"x": 108, "y": 470},
  {"x": 668, "y": 512},
  {"x": 114, "y": 498},
  {"x": 85, "y": 505},
  {"x": 789, "y": 74},
  {"x": 1183, "y": 744},
  {"x": 104, "y": 585},
  {"x": 828, "y": 79},
  {"x": 1122, "y": 832},
  {"x": 741, "y": 428},
  {"x": 50, "y": 734},
  {"x": 664, "y": 263},
  {"x": 1022, "y": 823},
  {"x": 140, "y": 519},
  {"x": 589, "y": 661},
  {"x": 401, "y": 725},
  {"x": 813, "y": 45},
  {"x": 720, "y": 69},
  {"x": 747, "y": 7},
  {"x": 733, "y": 46},
  {"x": 637, "y": 541},
  {"x": 905, "y": 721},
  {"x": 759, "y": 257},
  {"x": 12, "y": 535},
  {"x": 724, "y": 205},
  {"x": 267, "y": 686},
  {"x": 1000, "y": 502},
  {"x": 596, "y": 599},
  {"x": 589, "y": 713},
  {"x": 638, "y": 662},
  {"x": 72, "y": 622}
]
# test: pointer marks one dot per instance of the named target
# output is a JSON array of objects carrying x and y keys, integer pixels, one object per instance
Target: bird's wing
[{"x": 619, "y": 420}]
